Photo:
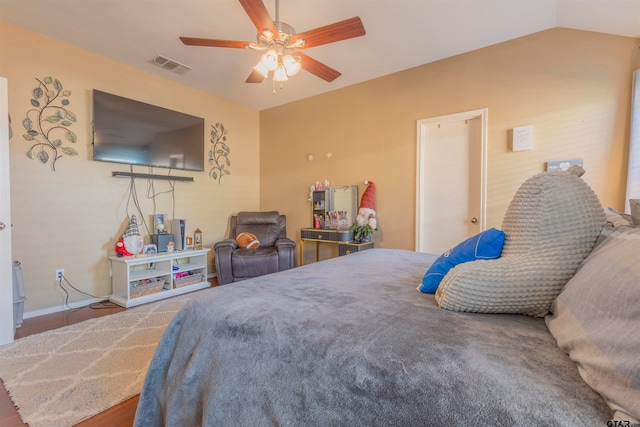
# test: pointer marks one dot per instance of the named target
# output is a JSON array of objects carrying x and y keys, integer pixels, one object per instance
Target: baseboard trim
[
  {"x": 59, "y": 308},
  {"x": 77, "y": 304}
]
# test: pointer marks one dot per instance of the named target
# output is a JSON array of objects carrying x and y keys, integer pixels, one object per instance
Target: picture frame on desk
[
  {"x": 159, "y": 223},
  {"x": 150, "y": 249}
]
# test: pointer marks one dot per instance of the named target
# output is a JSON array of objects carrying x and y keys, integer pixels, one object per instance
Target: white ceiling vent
[{"x": 170, "y": 64}]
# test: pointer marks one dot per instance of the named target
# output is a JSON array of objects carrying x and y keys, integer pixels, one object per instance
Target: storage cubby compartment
[{"x": 138, "y": 280}]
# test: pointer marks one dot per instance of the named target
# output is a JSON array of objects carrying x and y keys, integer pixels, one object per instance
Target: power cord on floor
[{"x": 105, "y": 303}]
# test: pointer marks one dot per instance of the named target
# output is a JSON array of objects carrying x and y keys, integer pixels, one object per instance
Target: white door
[
  {"x": 6, "y": 285},
  {"x": 450, "y": 180}
]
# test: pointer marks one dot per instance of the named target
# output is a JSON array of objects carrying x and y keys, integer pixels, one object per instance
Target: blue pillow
[{"x": 485, "y": 245}]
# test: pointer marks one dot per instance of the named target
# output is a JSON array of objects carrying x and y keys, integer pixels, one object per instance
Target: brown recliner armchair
[{"x": 274, "y": 254}]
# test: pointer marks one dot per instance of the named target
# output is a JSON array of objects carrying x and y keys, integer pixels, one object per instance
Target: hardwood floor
[{"x": 120, "y": 415}]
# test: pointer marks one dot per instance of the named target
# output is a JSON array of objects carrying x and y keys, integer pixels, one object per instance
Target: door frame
[
  {"x": 7, "y": 323},
  {"x": 422, "y": 140}
]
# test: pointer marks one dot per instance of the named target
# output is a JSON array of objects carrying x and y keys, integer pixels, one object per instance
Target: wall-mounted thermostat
[{"x": 521, "y": 138}]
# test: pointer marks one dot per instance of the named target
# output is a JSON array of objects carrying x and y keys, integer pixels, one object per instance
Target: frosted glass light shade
[
  {"x": 270, "y": 60},
  {"x": 261, "y": 69},
  {"x": 280, "y": 74},
  {"x": 291, "y": 65}
]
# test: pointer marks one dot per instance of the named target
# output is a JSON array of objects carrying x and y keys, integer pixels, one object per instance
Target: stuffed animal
[
  {"x": 131, "y": 242},
  {"x": 367, "y": 212},
  {"x": 120, "y": 249}
]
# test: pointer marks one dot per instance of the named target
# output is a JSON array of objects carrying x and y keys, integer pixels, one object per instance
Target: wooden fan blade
[
  {"x": 194, "y": 41},
  {"x": 259, "y": 16},
  {"x": 255, "y": 77},
  {"x": 347, "y": 29},
  {"x": 318, "y": 68}
]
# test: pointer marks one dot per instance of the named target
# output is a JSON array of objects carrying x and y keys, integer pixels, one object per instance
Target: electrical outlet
[{"x": 59, "y": 274}]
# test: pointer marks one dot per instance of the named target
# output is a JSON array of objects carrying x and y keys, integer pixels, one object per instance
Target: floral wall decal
[
  {"x": 219, "y": 152},
  {"x": 47, "y": 122}
]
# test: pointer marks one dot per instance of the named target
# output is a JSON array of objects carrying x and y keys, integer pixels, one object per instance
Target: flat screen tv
[{"x": 135, "y": 133}]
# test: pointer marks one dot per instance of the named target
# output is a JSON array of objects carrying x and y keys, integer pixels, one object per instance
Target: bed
[
  {"x": 545, "y": 334},
  {"x": 349, "y": 341}
]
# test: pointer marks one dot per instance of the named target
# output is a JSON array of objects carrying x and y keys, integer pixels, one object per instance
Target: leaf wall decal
[
  {"x": 43, "y": 156},
  {"x": 69, "y": 151},
  {"x": 71, "y": 136},
  {"x": 218, "y": 152},
  {"x": 52, "y": 125}
]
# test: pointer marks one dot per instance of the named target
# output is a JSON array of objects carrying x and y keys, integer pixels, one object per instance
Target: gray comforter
[{"x": 351, "y": 342}]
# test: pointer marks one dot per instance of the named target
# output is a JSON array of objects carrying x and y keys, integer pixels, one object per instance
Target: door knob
[
  {"x": 2, "y": 225},
  {"x": 474, "y": 220}
]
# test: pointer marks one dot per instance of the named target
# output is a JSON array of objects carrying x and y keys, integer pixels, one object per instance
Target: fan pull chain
[{"x": 273, "y": 86}]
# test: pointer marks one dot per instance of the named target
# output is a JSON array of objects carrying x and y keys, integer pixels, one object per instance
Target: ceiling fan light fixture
[
  {"x": 291, "y": 65},
  {"x": 270, "y": 60},
  {"x": 261, "y": 69},
  {"x": 280, "y": 42},
  {"x": 280, "y": 74}
]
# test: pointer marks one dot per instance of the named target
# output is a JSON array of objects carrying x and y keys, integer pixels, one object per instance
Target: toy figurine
[{"x": 120, "y": 249}]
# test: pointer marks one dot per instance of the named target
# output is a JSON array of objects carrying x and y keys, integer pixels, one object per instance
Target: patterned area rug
[{"x": 63, "y": 376}]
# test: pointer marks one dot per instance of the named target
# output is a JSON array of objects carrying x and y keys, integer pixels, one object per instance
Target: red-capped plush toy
[
  {"x": 367, "y": 212},
  {"x": 120, "y": 249}
]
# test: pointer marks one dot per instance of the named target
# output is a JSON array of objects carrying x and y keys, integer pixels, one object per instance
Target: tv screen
[{"x": 135, "y": 133}]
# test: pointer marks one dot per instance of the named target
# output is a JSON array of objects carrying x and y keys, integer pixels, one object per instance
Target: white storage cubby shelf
[{"x": 139, "y": 280}]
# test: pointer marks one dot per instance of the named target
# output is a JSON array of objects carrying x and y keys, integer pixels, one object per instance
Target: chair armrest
[
  {"x": 283, "y": 242},
  {"x": 227, "y": 243},
  {"x": 286, "y": 248},
  {"x": 222, "y": 256}
]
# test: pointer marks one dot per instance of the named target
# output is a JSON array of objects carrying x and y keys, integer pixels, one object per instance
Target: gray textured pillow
[
  {"x": 551, "y": 226},
  {"x": 634, "y": 204},
  {"x": 615, "y": 218},
  {"x": 595, "y": 319}
]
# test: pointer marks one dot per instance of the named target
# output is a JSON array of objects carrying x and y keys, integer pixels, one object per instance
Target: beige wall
[
  {"x": 71, "y": 218},
  {"x": 572, "y": 86}
]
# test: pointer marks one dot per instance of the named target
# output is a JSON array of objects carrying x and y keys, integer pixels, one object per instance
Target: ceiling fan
[{"x": 281, "y": 43}]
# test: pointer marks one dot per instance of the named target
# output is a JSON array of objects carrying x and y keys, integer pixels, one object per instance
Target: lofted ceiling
[{"x": 400, "y": 34}]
